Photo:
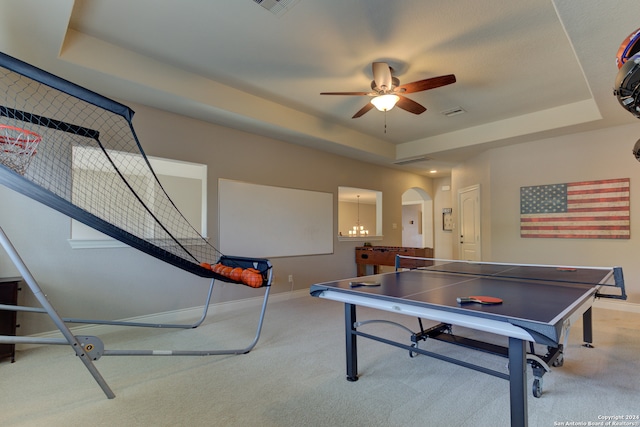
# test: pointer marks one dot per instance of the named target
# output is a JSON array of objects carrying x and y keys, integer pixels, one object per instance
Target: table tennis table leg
[
  {"x": 518, "y": 382},
  {"x": 351, "y": 343},
  {"x": 587, "y": 331}
]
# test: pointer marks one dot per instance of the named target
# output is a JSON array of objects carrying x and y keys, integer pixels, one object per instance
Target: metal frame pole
[
  {"x": 351, "y": 342},
  {"x": 57, "y": 320},
  {"x": 518, "y": 382}
]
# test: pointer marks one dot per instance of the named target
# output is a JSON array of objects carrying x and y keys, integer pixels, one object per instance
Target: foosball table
[{"x": 386, "y": 255}]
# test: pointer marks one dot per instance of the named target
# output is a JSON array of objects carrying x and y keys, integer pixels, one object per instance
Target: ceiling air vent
[
  {"x": 410, "y": 160},
  {"x": 277, "y": 7},
  {"x": 454, "y": 111}
]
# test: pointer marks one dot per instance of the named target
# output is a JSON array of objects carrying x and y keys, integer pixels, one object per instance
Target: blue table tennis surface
[
  {"x": 539, "y": 304},
  {"x": 535, "y": 297}
]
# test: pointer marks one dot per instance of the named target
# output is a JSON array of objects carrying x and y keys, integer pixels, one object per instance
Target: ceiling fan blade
[
  {"x": 382, "y": 75},
  {"x": 348, "y": 93},
  {"x": 410, "y": 105},
  {"x": 363, "y": 110},
  {"x": 427, "y": 84}
]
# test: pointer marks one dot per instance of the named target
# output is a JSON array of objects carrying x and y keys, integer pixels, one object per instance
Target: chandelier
[{"x": 358, "y": 230}]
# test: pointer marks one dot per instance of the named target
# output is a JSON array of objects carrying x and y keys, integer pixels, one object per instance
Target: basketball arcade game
[
  {"x": 52, "y": 133},
  {"x": 528, "y": 304}
]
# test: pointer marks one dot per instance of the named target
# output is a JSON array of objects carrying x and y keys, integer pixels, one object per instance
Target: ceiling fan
[{"x": 387, "y": 91}]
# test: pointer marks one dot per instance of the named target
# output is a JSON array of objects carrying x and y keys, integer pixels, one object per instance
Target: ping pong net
[{"x": 579, "y": 275}]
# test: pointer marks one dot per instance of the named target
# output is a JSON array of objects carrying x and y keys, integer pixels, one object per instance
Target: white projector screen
[{"x": 262, "y": 221}]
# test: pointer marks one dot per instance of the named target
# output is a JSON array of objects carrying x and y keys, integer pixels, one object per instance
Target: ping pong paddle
[
  {"x": 359, "y": 284},
  {"x": 479, "y": 300}
]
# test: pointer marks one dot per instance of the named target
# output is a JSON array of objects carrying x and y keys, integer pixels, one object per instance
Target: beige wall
[
  {"x": 122, "y": 282},
  {"x": 578, "y": 157},
  {"x": 443, "y": 240}
]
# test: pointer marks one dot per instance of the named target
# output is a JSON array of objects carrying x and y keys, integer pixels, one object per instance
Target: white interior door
[{"x": 469, "y": 208}]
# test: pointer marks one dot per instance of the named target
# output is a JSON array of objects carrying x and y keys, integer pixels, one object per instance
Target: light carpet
[{"x": 295, "y": 376}]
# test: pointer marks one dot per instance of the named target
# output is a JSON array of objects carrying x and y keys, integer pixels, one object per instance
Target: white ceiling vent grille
[
  {"x": 454, "y": 111},
  {"x": 277, "y": 7},
  {"x": 410, "y": 160}
]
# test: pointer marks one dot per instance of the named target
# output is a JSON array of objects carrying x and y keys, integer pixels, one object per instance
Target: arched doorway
[{"x": 417, "y": 219}]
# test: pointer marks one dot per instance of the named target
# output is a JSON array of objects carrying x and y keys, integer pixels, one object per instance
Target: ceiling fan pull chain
[{"x": 385, "y": 121}]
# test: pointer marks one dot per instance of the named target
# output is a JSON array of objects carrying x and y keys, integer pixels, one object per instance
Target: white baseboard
[{"x": 184, "y": 316}]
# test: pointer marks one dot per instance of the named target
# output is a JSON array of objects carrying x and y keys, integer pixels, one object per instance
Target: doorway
[
  {"x": 417, "y": 219},
  {"x": 469, "y": 208}
]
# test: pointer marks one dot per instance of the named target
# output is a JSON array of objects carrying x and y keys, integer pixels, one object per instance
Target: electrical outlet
[{"x": 291, "y": 278}]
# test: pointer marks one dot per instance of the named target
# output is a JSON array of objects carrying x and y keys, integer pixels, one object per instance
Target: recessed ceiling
[{"x": 525, "y": 70}]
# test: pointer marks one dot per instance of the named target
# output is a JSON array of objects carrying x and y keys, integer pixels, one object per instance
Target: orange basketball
[
  {"x": 236, "y": 274},
  {"x": 225, "y": 271},
  {"x": 216, "y": 268},
  {"x": 206, "y": 265},
  {"x": 252, "y": 277}
]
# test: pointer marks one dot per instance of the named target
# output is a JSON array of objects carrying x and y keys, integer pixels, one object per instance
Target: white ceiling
[{"x": 525, "y": 70}]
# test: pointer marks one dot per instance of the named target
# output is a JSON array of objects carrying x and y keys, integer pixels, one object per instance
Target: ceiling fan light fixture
[
  {"x": 386, "y": 91},
  {"x": 385, "y": 102}
]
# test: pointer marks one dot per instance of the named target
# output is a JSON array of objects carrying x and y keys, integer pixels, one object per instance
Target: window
[{"x": 184, "y": 182}]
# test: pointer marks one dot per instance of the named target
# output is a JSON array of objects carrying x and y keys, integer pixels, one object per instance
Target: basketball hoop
[{"x": 17, "y": 147}]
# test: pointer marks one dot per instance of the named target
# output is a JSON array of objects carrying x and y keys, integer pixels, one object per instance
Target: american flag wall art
[{"x": 577, "y": 210}]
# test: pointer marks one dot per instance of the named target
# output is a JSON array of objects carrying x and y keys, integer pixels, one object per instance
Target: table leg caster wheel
[
  {"x": 537, "y": 387},
  {"x": 413, "y": 353},
  {"x": 559, "y": 361}
]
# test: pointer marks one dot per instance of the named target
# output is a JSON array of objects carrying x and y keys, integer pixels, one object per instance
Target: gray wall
[{"x": 119, "y": 283}]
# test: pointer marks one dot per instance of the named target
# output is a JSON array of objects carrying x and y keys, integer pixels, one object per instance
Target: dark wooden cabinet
[{"x": 8, "y": 296}]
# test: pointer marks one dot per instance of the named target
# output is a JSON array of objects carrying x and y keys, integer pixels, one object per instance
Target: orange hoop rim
[{"x": 32, "y": 137}]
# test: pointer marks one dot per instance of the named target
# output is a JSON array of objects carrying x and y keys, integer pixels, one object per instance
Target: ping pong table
[{"x": 539, "y": 304}]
